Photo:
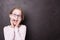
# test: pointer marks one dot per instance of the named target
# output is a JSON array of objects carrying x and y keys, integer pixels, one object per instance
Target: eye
[{"x": 17, "y": 15}]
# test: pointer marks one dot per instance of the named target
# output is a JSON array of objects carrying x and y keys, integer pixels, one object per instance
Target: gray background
[{"x": 42, "y": 18}]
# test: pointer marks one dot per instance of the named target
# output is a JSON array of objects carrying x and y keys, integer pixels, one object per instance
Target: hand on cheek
[
  {"x": 16, "y": 23},
  {"x": 12, "y": 24}
]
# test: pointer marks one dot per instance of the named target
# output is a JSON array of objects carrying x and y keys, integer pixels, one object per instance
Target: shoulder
[
  {"x": 6, "y": 27},
  {"x": 23, "y": 26}
]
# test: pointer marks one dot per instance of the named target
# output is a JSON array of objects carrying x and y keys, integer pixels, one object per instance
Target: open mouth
[{"x": 15, "y": 20}]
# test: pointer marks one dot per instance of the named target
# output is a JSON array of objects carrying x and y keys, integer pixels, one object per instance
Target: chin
[{"x": 15, "y": 23}]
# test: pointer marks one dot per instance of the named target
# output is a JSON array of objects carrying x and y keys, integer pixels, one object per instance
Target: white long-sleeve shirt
[{"x": 14, "y": 33}]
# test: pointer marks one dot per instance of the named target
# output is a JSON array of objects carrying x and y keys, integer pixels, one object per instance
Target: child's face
[{"x": 15, "y": 17}]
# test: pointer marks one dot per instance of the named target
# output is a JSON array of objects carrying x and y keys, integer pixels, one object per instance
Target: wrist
[{"x": 16, "y": 29}]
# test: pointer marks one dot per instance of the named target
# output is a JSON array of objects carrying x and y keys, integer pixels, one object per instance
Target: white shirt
[{"x": 14, "y": 33}]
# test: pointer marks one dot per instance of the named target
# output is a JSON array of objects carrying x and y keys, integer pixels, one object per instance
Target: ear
[{"x": 9, "y": 15}]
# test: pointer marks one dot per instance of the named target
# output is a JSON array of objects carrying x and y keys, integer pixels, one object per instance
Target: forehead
[{"x": 16, "y": 11}]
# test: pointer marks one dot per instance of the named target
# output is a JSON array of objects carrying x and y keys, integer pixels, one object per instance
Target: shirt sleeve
[
  {"x": 20, "y": 33},
  {"x": 17, "y": 35},
  {"x": 23, "y": 31},
  {"x": 8, "y": 34}
]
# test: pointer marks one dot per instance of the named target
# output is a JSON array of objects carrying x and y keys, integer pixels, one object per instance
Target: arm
[
  {"x": 17, "y": 35},
  {"x": 21, "y": 33},
  {"x": 8, "y": 34}
]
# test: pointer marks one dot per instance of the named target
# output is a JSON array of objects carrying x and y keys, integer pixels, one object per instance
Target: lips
[{"x": 15, "y": 22}]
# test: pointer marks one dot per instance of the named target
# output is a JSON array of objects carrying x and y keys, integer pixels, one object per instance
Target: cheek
[
  {"x": 19, "y": 20},
  {"x": 11, "y": 17}
]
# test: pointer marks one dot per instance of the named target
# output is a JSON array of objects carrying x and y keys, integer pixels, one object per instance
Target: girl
[{"x": 16, "y": 30}]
